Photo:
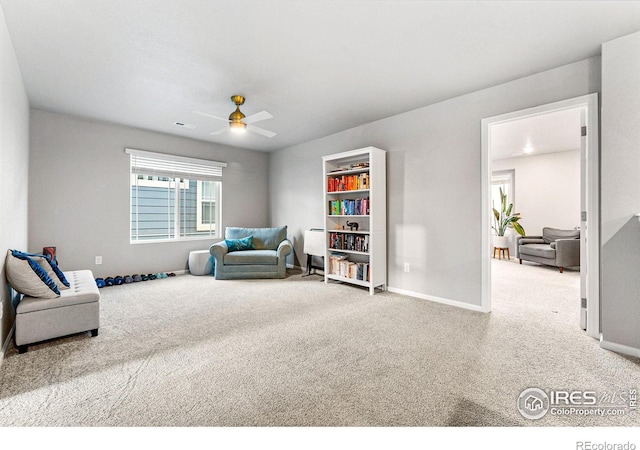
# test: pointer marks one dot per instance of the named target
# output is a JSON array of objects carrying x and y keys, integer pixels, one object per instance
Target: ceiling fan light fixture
[
  {"x": 237, "y": 122},
  {"x": 236, "y": 116},
  {"x": 238, "y": 127}
]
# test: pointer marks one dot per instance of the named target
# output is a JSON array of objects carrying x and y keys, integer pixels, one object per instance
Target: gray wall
[
  {"x": 79, "y": 193},
  {"x": 547, "y": 189},
  {"x": 433, "y": 180},
  {"x": 620, "y": 191},
  {"x": 14, "y": 165}
]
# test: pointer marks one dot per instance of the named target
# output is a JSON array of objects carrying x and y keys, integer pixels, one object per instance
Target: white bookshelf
[{"x": 355, "y": 190}]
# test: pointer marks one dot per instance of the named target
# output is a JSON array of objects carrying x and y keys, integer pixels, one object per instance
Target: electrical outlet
[
  {"x": 407, "y": 268},
  {"x": 98, "y": 259}
]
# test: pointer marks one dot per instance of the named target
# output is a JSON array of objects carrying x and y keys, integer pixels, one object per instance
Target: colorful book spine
[
  {"x": 349, "y": 207},
  {"x": 349, "y": 241},
  {"x": 340, "y": 265},
  {"x": 348, "y": 182}
]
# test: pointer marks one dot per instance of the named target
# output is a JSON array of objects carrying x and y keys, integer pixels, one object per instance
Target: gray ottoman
[
  {"x": 200, "y": 262},
  {"x": 75, "y": 311}
]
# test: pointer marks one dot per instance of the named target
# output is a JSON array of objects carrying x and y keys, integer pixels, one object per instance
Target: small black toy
[{"x": 353, "y": 225}]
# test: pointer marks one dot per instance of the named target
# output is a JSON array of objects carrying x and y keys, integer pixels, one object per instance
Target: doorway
[{"x": 589, "y": 301}]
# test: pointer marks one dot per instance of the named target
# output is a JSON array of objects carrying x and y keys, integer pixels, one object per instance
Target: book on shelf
[
  {"x": 348, "y": 182},
  {"x": 349, "y": 241},
  {"x": 349, "y": 207},
  {"x": 340, "y": 265}
]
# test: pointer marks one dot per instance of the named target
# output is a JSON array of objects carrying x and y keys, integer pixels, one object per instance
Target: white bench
[{"x": 76, "y": 310}]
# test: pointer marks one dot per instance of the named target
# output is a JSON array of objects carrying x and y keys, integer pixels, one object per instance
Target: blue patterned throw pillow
[
  {"x": 28, "y": 277},
  {"x": 236, "y": 245},
  {"x": 57, "y": 271},
  {"x": 51, "y": 267}
]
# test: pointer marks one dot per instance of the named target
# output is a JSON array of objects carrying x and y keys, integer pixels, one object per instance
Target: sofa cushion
[
  {"x": 247, "y": 257},
  {"x": 539, "y": 250},
  {"x": 236, "y": 245},
  {"x": 28, "y": 277},
  {"x": 263, "y": 238},
  {"x": 526, "y": 240},
  {"x": 551, "y": 234}
]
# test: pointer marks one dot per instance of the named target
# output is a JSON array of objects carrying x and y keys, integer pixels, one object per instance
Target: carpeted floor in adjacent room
[{"x": 193, "y": 351}]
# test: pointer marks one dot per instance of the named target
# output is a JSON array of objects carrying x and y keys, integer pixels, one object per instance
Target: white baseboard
[
  {"x": 432, "y": 298},
  {"x": 6, "y": 344},
  {"x": 619, "y": 348}
]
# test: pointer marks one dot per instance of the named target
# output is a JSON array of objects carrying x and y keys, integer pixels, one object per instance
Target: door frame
[{"x": 589, "y": 103}]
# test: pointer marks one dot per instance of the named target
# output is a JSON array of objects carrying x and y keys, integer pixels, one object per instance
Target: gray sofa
[
  {"x": 557, "y": 248},
  {"x": 266, "y": 260}
]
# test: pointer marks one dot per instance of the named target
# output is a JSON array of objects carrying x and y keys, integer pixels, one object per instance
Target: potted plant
[{"x": 504, "y": 219}]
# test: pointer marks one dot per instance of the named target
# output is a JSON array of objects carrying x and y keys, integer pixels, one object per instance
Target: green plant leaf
[
  {"x": 510, "y": 220},
  {"x": 516, "y": 226},
  {"x": 505, "y": 218}
]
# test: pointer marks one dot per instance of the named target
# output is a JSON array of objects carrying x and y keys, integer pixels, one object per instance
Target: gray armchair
[
  {"x": 267, "y": 259},
  {"x": 557, "y": 248}
]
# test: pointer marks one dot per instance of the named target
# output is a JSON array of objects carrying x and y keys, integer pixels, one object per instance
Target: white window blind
[
  {"x": 173, "y": 166},
  {"x": 174, "y": 197}
]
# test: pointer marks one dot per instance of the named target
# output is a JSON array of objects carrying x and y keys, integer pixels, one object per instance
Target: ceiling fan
[{"x": 238, "y": 122}]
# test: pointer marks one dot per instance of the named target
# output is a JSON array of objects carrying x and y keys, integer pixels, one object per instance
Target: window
[
  {"x": 504, "y": 179},
  {"x": 206, "y": 194},
  {"x": 174, "y": 198}
]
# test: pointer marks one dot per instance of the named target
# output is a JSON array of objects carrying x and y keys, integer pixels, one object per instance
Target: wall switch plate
[
  {"x": 406, "y": 267},
  {"x": 98, "y": 259}
]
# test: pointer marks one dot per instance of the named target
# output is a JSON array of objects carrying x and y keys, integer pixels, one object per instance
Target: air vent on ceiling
[{"x": 185, "y": 125}]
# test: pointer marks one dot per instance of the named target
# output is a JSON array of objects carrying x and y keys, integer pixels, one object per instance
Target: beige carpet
[{"x": 193, "y": 351}]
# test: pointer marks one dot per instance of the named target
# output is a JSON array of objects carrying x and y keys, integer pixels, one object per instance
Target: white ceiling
[
  {"x": 553, "y": 132},
  {"x": 318, "y": 67}
]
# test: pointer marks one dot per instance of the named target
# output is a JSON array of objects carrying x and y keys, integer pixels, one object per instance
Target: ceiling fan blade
[
  {"x": 261, "y": 131},
  {"x": 257, "y": 117},
  {"x": 209, "y": 115},
  {"x": 220, "y": 131}
]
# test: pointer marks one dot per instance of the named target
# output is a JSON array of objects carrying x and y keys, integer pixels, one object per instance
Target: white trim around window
[{"x": 174, "y": 198}]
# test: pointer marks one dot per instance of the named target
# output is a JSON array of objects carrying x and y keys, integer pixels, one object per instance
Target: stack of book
[
  {"x": 349, "y": 241},
  {"x": 339, "y": 264},
  {"x": 348, "y": 182},
  {"x": 349, "y": 207}
]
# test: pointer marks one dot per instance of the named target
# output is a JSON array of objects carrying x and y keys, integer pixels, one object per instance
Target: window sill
[{"x": 183, "y": 239}]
